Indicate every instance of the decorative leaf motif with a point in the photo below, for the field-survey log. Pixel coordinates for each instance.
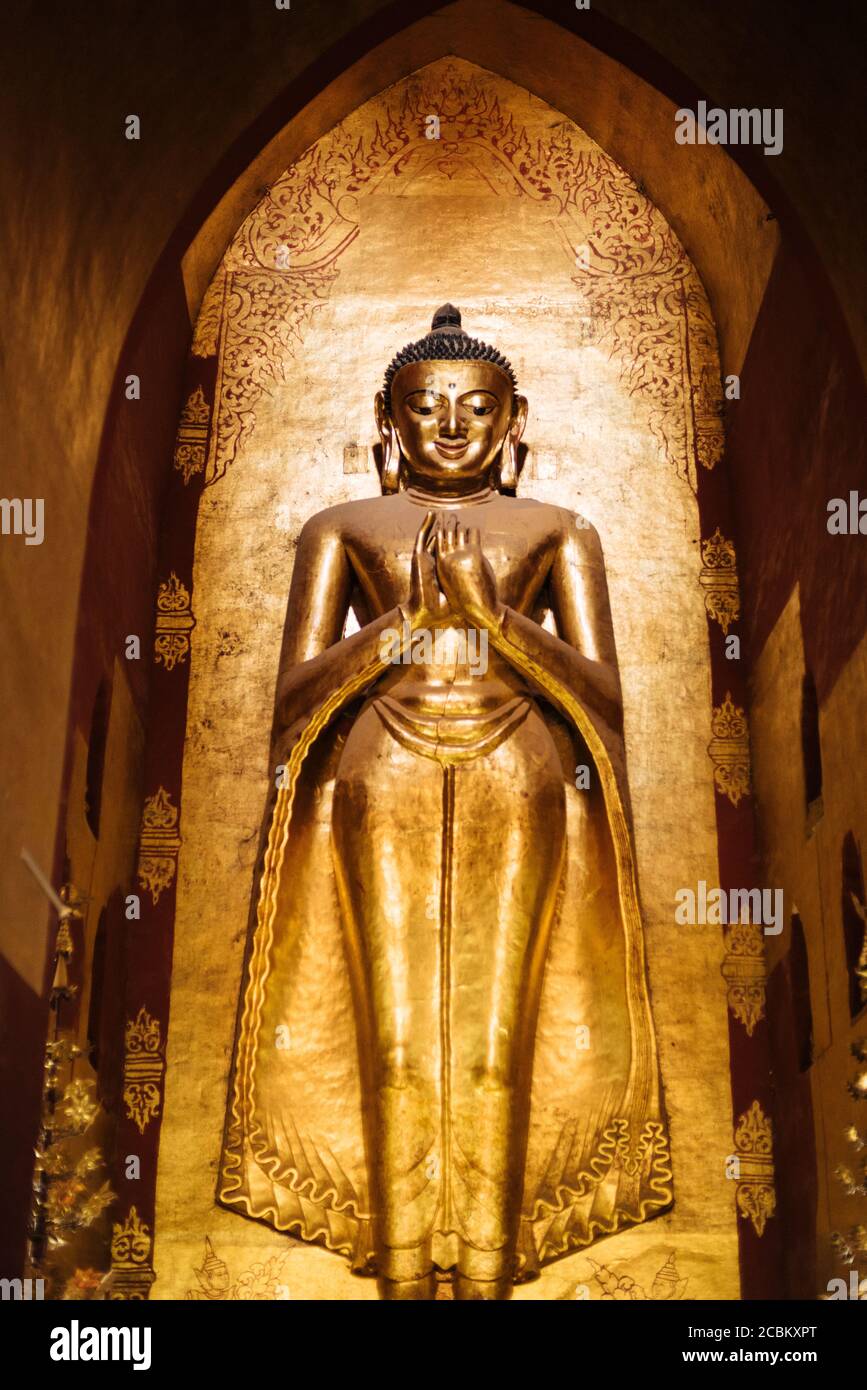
(647, 308)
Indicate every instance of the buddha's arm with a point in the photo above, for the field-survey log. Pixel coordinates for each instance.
(315, 663)
(582, 659)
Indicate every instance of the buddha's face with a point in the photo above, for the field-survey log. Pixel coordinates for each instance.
(451, 419)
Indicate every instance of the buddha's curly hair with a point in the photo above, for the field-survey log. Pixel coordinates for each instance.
(448, 342)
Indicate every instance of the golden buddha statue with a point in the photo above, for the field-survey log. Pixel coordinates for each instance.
(445, 1062)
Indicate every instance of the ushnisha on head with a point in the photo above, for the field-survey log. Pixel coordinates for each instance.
(449, 416)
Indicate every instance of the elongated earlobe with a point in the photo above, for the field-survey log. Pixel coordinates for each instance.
(509, 455)
(389, 477)
(509, 464)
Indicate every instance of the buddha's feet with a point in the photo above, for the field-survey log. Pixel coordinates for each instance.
(424, 1288)
(483, 1274)
(407, 1273)
(494, 1289)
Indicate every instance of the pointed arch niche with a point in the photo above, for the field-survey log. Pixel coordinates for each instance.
(555, 255)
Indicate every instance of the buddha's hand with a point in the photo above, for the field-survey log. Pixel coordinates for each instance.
(466, 577)
(427, 604)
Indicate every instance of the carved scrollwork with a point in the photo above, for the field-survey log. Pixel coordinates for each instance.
(142, 1069)
(745, 973)
(754, 1150)
(729, 751)
(159, 843)
(719, 579)
(644, 304)
(174, 623)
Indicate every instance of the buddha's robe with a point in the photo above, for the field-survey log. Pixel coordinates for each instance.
(447, 936)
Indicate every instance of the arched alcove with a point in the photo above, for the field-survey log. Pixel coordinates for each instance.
(96, 756)
(852, 907)
(554, 253)
(802, 1010)
(811, 746)
(97, 987)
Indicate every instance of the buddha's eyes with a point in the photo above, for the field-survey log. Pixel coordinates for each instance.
(477, 403)
(480, 403)
(424, 404)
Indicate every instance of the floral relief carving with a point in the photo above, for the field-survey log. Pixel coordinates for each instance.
(729, 751)
(644, 303)
(719, 579)
(754, 1153)
(159, 843)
